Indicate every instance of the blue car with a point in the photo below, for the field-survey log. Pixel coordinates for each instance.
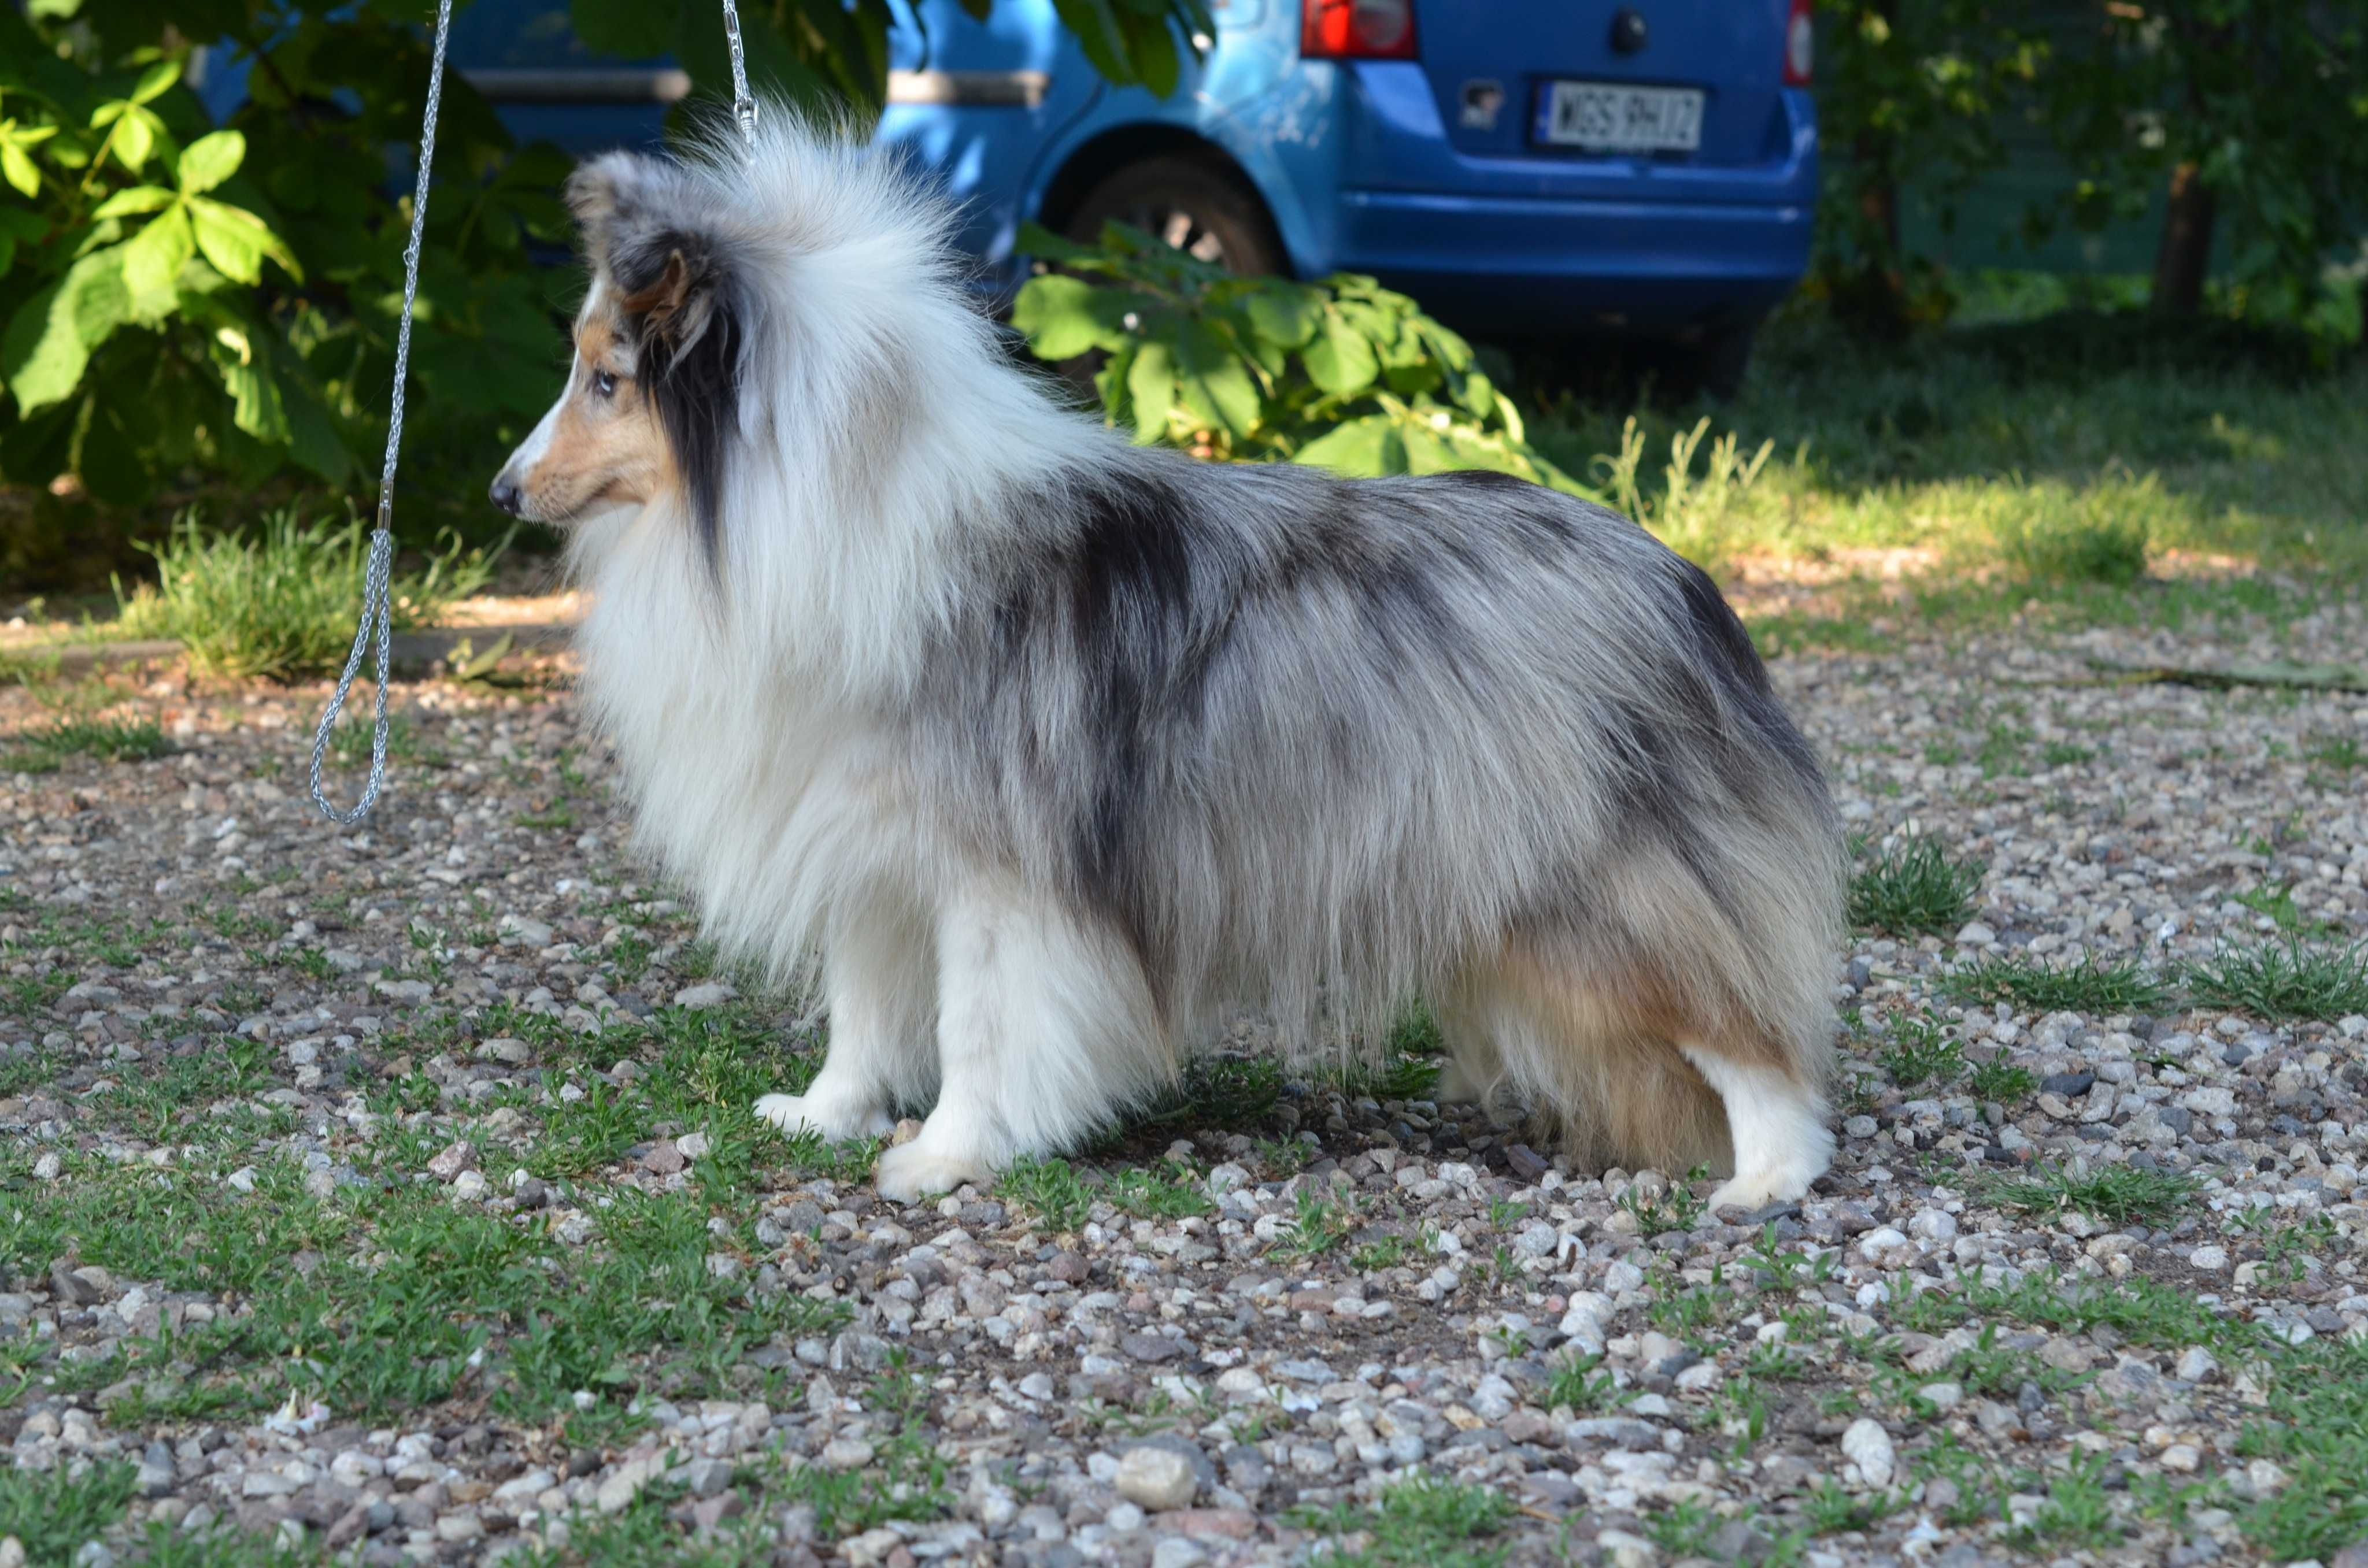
(1530, 171)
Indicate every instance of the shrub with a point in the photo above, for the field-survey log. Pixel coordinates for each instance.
(2102, 535)
(281, 606)
(1342, 374)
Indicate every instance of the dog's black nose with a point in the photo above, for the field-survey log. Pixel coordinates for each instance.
(505, 496)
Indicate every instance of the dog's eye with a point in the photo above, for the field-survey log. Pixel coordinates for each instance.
(604, 383)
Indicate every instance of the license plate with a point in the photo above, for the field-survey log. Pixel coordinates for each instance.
(1610, 116)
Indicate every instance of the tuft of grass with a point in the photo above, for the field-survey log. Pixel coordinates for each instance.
(2100, 537)
(1172, 1191)
(282, 603)
(1921, 1052)
(1423, 1521)
(2118, 1193)
(2077, 1513)
(2089, 986)
(2284, 980)
(1317, 1229)
(1914, 890)
(1051, 1188)
(45, 747)
(2316, 1428)
(1578, 1384)
(51, 1513)
(2007, 1085)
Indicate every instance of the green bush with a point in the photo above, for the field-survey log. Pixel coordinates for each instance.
(183, 304)
(281, 605)
(1343, 374)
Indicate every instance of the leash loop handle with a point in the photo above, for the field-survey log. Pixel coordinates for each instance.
(377, 578)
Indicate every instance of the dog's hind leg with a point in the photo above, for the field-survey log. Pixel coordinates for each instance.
(1045, 1027)
(879, 978)
(1474, 1073)
(1641, 1072)
(1777, 1122)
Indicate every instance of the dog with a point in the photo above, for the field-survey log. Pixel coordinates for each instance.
(1061, 752)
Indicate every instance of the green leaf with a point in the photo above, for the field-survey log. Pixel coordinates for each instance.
(1341, 360)
(49, 340)
(134, 200)
(18, 169)
(1286, 314)
(1360, 449)
(156, 81)
(1042, 243)
(153, 260)
(1154, 51)
(1216, 384)
(135, 138)
(236, 241)
(209, 160)
(1064, 317)
(254, 394)
(1151, 385)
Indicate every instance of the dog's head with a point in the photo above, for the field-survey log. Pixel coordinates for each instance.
(652, 390)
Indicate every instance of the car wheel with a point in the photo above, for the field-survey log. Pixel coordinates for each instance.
(1202, 211)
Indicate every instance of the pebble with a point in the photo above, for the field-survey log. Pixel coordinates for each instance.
(1868, 1446)
(1156, 1479)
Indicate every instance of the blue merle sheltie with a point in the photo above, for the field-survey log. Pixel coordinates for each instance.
(1057, 754)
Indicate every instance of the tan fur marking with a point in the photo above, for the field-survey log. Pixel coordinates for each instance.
(601, 449)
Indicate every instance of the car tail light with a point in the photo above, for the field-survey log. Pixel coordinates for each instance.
(1356, 29)
(1800, 43)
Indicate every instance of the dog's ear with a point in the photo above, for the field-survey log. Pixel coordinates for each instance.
(603, 193)
(670, 291)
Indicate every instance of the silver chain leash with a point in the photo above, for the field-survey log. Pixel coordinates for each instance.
(378, 585)
(378, 589)
(743, 106)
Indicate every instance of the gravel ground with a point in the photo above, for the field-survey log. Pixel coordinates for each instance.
(393, 1193)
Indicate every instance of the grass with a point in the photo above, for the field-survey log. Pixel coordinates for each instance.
(2118, 1193)
(1422, 1521)
(1914, 889)
(1921, 1053)
(2052, 470)
(1579, 1385)
(44, 748)
(280, 603)
(51, 1513)
(2284, 980)
(2007, 1085)
(1049, 1188)
(2091, 986)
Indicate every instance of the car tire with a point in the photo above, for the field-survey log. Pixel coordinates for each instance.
(1202, 210)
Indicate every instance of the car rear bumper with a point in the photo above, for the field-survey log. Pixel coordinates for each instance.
(1518, 240)
(1527, 264)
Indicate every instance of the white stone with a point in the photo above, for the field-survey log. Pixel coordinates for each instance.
(1159, 1478)
(1868, 1446)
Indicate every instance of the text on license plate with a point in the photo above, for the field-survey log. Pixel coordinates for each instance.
(1613, 117)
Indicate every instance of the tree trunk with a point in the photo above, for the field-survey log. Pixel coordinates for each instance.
(2184, 261)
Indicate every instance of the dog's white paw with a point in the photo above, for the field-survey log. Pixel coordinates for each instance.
(1752, 1190)
(792, 1113)
(910, 1171)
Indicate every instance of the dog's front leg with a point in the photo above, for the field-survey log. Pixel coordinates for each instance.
(1045, 1027)
(880, 980)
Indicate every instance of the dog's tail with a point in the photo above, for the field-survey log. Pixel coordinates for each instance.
(1681, 999)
